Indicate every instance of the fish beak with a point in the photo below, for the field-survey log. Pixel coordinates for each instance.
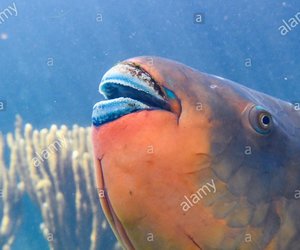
(128, 88)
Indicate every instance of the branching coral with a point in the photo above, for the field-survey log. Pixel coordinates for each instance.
(54, 166)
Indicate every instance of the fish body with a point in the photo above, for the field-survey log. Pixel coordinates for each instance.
(188, 160)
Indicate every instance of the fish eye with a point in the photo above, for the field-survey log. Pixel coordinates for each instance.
(261, 120)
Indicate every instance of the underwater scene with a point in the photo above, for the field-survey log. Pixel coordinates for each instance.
(140, 125)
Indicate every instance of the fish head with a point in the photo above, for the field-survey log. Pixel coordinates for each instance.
(164, 132)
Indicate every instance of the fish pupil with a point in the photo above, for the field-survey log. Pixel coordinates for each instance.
(265, 120)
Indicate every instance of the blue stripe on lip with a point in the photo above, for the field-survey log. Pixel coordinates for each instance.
(110, 110)
(128, 81)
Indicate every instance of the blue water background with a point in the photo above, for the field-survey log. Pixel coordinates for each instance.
(83, 48)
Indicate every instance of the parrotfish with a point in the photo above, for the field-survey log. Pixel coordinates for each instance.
(187, 160)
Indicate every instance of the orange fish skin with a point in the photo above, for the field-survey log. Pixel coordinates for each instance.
(148, 161)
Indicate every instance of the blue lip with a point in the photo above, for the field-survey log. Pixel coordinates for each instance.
(127, 89)
(110, 110)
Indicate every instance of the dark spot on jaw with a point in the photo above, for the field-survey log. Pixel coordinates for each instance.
(132, 105)
(130, 192)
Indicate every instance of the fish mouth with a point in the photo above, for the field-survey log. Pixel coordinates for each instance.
(128, 88)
